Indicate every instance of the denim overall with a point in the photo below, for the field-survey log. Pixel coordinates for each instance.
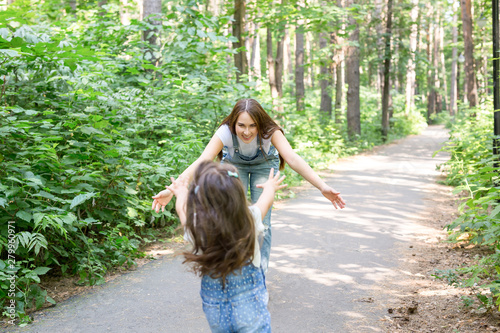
(255, 170)
(241, 306)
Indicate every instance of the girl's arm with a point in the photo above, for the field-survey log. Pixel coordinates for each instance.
(302, 168)
(211, 150)
(270, 187)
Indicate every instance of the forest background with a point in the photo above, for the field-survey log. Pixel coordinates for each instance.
(102, 101)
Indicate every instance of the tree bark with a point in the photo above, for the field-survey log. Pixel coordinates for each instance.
(255, 56)
(339, 71)
(352, 79)
(454, 56)
(411, 74)
(279, 65)
(287, 57)
(435, 65)
(431, 96)
(240, 58)
(470, 75)
(387, 67)
(326, 80)
(270, 66)
(443, 66)
(151, 11)
(299, 68)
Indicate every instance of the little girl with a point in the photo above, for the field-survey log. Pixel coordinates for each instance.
(225, 232)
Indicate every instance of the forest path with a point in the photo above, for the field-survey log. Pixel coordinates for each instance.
(330, 271)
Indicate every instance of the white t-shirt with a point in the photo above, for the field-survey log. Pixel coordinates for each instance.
(259, 229)
(246, 149)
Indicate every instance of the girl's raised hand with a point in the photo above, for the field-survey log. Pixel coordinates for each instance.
(274, 181)
(334, 197)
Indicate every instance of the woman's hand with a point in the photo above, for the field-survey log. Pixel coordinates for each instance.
(161, 200)
(334, 197)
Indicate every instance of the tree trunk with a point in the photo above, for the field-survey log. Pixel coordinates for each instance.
(72, 4)
(308, 55)
(470, 75)
(387, 67)
(125, 16)
(287, 57)
(443, 66)
(325, 81)
(255, 57)
(454, 56)
(380, 44)
(435, 69)
(410, 74)
(431, 96)
(352, 79)
(279, 65)
(151, 11)
(299, 68)
(270, 66)
(240, 58)
(339, 70)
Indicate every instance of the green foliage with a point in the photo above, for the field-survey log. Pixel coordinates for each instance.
(472, 170)
(90, 129)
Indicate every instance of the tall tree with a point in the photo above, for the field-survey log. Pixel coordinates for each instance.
(339, 72)
(435, 65)
(326, 78)
(151, 11)
(255, 54)
(240, 57)
(271, 65)
(352, 78)
(454, 56)
(470, 74)
(387, 67)
(299, 67)
(410, 74)
(443, 65)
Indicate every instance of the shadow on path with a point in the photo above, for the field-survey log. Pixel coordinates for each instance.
(330, 269)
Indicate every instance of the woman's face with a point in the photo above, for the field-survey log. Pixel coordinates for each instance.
(246, 127)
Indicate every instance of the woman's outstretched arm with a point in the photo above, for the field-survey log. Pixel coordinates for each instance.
(298, 164)
(211, 150)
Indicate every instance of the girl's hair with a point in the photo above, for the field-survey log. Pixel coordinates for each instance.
(265, 124)
(218, 221)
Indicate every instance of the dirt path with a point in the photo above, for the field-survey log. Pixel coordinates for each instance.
(330, 271)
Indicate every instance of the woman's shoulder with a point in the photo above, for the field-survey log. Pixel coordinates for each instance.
(224, 135)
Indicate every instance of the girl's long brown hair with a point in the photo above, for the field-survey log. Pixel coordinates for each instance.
(219, 221)
(265, 124)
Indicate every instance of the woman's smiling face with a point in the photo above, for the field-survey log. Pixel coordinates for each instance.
(246, 127)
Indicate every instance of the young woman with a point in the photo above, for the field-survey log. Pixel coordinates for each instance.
(250, 140)
(224, 233)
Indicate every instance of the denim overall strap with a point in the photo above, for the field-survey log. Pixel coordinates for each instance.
(236, 144)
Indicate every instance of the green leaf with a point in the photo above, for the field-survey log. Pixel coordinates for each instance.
(24, 215)
(132, 212)
(37, 217)
(79, 199)
(495, 211)
(40, 270)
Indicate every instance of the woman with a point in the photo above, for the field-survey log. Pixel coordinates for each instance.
(250, 140)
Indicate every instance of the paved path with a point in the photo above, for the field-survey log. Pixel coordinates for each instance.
(331, 270)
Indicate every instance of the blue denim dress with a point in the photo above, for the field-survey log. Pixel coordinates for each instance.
(241, 306)
(254, 170)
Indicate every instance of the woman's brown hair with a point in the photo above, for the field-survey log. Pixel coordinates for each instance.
(265, 124)
(218, 221)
